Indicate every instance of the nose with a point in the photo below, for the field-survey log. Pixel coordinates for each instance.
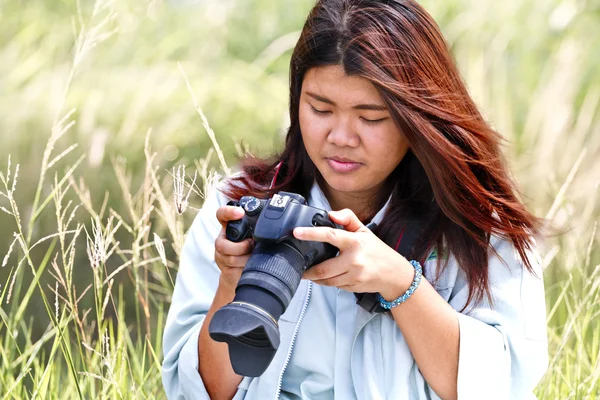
(343, 134)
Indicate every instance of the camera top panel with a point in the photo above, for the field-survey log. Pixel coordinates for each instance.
(280, 202)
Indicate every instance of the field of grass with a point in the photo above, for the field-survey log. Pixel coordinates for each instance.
(106, 150)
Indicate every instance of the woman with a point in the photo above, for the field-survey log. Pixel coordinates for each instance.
(382, 130)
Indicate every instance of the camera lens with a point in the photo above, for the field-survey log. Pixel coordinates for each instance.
(249, 323)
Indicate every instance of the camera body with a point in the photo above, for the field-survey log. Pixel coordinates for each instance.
(272, 221)
(249, 324)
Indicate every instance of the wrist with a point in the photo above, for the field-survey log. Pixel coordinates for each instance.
(398, 282)
(388, 305)
(225, 288)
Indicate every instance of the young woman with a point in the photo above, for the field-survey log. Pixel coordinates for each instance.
(382, 130)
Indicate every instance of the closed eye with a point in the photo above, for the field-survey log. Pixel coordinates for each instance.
(373, 121)
(365, 120)
(320, 112)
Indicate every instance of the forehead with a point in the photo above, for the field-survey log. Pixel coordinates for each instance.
(332, 82)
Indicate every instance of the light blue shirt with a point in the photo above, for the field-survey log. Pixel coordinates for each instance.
(502, 351)
(320, 361)
(311, 370)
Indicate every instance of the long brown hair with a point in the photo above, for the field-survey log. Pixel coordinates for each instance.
(453, 177)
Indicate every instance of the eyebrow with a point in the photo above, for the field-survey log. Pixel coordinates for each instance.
(373, 107)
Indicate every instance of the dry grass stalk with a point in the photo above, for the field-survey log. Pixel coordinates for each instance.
(179, 198)
(209, 131)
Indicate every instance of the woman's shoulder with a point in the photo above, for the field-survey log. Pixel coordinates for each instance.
(500, 249)
(504, 260)
(503, 251)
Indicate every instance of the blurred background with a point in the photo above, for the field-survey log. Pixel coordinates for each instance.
(102, 108)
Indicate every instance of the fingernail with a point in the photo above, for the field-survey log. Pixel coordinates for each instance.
(238, 212)
(298, 231)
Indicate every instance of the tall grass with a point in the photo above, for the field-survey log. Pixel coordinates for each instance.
(92, 218)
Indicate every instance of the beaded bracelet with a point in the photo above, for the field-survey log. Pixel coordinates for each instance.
(413, 286)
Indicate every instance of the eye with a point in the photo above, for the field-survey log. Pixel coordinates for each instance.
(373, 121)
(319, 112)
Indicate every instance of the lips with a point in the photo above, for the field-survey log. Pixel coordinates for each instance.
(342, 165)
(343, 160)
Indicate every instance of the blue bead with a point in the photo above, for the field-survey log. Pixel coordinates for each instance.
(413, 286)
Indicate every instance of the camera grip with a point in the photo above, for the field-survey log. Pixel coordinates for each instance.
(321, 220)
(237, 230)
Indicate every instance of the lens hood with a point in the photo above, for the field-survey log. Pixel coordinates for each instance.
(251, 334)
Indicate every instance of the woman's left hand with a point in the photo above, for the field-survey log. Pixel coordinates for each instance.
(365, 262)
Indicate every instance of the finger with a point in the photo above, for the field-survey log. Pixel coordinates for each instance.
(326, 270)
(337, 281)
(337, 237)
(237, 262)
(349, 288)
(229, 248)
(347, 219)
(229, 213)
(234, 273)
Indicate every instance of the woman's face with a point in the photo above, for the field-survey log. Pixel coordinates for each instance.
(348, 132)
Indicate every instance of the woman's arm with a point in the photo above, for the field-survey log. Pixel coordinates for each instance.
(366, 264)
(430, 326)
(195, 288)
(497, 351)
(198, 293)
(214, 366)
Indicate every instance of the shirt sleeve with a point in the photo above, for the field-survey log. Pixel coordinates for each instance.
(503, 348)
(195, 288)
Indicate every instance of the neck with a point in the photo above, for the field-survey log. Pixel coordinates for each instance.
(364, 204)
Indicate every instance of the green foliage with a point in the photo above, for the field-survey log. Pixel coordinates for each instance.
(83, 84)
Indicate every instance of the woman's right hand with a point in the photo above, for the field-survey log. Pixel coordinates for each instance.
(231, 257)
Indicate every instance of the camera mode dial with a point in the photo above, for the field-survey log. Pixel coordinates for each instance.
(251, 205)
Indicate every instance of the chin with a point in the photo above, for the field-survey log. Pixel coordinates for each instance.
(344, 183)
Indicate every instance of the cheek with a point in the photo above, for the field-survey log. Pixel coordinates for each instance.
(392, 143)
(311, 126)
(304, 123)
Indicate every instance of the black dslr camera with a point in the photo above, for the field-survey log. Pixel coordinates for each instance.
(249, 324)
